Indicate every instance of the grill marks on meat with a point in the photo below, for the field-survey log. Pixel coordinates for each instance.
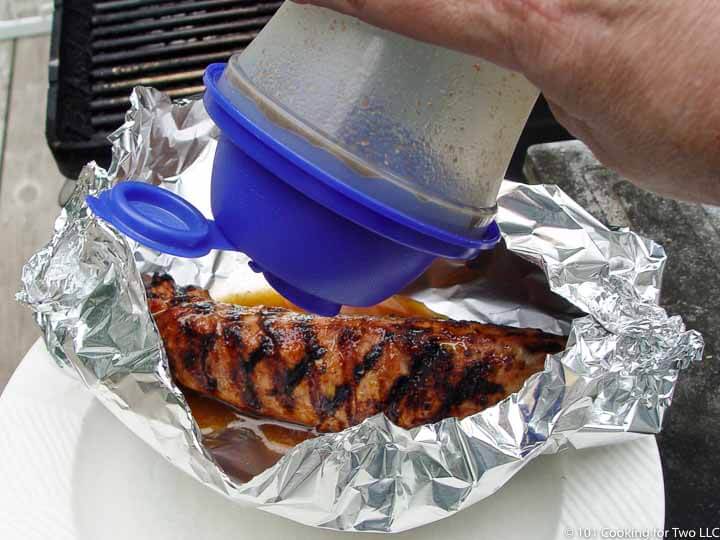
(334, 372)
(162, 293)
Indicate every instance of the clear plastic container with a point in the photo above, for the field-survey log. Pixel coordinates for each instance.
(423, 129)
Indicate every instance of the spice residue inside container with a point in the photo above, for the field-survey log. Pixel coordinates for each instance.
(244, 446)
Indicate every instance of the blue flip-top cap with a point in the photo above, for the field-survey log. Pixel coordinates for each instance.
(158, 219)
(317, 241)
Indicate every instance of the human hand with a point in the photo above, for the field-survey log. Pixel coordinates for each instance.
(637, 80)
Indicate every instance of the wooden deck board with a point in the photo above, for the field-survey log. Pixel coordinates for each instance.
(6, 50)
(15, 9)
(29, 184)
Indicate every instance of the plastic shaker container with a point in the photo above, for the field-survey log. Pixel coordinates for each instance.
(349, 159)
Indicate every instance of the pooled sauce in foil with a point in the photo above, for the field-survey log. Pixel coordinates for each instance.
(395, 306)
(245, 446)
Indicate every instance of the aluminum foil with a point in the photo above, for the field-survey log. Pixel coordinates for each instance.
(561, 271)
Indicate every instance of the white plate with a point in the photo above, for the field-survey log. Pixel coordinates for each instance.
(70, 470)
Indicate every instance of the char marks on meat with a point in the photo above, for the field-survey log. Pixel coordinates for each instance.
(333, 372)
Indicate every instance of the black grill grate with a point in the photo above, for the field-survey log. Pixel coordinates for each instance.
(101, 50)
